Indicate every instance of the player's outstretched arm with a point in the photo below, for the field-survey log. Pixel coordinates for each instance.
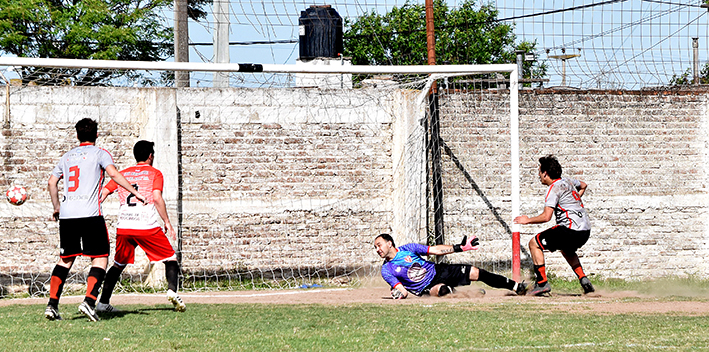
(541, 218)
(53, 187)
(466, 244)
(121, 181)
(162, 210)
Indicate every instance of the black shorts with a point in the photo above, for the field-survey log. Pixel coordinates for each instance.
(562, 238)
(83, 236)
(452, 275)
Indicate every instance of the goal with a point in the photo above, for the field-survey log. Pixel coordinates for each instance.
(283, 179)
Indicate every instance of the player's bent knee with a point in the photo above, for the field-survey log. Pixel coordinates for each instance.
(474, 274)
(533, 243)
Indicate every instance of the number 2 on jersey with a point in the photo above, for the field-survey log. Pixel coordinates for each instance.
(131, 196)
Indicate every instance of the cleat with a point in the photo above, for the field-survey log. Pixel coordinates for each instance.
(85, 309)
(444, 290)
(540, 290)
(176, 301)
(51, 313)
(586, 284)
(520, 288)
(106, 308)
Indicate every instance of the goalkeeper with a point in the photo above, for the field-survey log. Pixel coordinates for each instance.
(406, 271)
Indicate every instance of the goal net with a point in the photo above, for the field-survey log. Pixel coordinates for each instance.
(280, 180)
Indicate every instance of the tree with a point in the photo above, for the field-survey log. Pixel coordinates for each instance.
(87, 29)
(465, 35)
(687, 78)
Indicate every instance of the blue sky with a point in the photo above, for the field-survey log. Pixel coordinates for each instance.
(629, 44)
(622, 43)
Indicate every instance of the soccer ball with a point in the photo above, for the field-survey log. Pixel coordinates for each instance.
(16, 195)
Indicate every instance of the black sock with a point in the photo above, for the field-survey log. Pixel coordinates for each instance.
(172, 270)
(112, 277)
(56, 284)
(93, 284)
(540, 271)
(495, 280)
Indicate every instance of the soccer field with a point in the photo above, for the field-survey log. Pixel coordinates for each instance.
(364, 319)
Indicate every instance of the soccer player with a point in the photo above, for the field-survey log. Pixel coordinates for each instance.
(82, 229)
(139, 225)
(406, 271)
(572, 230)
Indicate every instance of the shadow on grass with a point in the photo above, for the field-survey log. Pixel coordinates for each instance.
(123, 313)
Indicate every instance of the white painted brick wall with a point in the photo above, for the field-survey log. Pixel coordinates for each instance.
(328, 162)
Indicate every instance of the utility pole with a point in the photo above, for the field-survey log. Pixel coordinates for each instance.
(695, 46)
(182, 51)
(221, 41)
(430, 33)
(563, 57)
(436, 167)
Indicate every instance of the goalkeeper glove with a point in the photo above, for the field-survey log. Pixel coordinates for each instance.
(466, 244)
(396, 294)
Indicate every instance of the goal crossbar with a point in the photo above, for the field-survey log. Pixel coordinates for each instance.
(249, 67)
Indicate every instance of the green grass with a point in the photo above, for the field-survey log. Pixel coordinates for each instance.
(373, 327)
(662, 287)
(512, 325)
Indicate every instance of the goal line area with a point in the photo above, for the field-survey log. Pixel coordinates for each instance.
(282, 178)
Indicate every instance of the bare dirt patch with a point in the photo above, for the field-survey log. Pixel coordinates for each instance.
(614, 302)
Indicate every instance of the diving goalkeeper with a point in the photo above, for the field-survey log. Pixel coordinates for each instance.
(406, 271)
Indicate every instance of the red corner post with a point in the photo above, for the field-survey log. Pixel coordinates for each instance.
(516, 262)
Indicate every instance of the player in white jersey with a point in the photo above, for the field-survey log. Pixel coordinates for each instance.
(139, 225)
(572, 230)
(82, 229)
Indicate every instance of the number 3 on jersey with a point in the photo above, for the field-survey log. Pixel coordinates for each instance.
(74, 177)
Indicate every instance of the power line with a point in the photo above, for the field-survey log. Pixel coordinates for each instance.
(562, 10)
(255, 42)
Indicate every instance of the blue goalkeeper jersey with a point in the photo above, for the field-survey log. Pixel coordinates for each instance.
(409, 269)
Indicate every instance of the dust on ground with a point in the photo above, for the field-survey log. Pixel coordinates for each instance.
(600, 302)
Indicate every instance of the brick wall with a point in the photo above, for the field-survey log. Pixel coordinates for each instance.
(306, 175)
(301, 180)
(293, 183)
(642, 153)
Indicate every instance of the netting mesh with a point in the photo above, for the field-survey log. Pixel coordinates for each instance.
(476, 172)
(600, 45)
(267, 188)
(608, 44)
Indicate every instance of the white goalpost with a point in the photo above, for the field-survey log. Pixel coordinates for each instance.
(271, 185)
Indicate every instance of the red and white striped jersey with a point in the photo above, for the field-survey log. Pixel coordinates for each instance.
(135, 217)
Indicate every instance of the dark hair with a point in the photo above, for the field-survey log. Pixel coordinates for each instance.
(86, 130)
(386, 237)
(551, 166)
(142, 150)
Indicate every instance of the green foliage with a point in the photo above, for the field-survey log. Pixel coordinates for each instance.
(687, 78)
(469, 34)
(195, 9)
(86, 29)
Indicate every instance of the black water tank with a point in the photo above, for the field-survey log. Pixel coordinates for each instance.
(320, 32)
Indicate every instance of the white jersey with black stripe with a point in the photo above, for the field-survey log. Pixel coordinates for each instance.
(82, 169)
(563, 197)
